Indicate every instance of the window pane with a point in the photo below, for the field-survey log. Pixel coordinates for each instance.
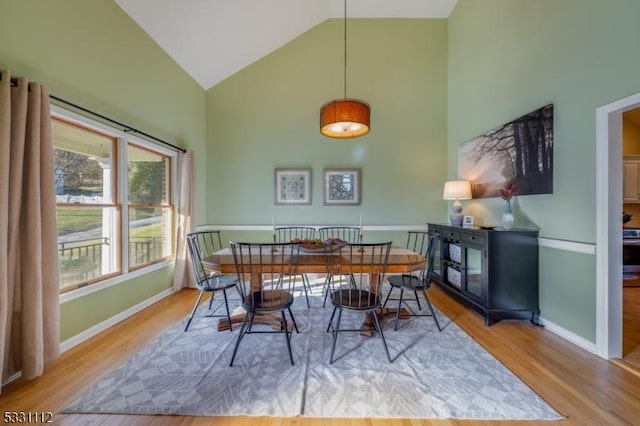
(83, 160)
(150, 231)
(148, 177)
(87, 244)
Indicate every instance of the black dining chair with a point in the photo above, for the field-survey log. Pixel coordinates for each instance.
(420, 242)
(201, 245)
(350, 234)
(363, 267)
(266, 280)
(286, 234)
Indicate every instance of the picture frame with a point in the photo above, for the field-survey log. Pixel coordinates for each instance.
(292, 186)
(468, 221)
(342, 186)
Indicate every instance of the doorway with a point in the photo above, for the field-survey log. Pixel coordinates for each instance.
(631, 222)
(609, 202)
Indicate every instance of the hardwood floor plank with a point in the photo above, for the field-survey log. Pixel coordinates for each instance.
(581, 386)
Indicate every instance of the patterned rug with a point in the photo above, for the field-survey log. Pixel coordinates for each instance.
(434, 374)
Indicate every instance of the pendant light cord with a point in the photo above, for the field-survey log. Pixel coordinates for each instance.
(345, 49)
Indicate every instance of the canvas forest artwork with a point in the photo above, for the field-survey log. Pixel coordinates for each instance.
(518, 153)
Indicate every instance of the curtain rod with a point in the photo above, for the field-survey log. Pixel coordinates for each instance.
(126, 128)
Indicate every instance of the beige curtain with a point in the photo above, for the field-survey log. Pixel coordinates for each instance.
(183, 277)
(29, 279)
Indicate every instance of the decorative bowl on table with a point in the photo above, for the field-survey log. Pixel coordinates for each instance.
(319, 246)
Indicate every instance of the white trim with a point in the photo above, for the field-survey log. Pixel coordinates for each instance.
(92, 288)
(567, 245)
(270, 227)
(98, 328)
(574, 246)
(11, 378)
(585, 344)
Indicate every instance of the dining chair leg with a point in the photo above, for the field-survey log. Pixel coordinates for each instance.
(331, 319)
(293, 319)
(305, 285)
(226, 305)
(387, 298)
(433, 312)
(195, 308)
(240, 336)
(287, 335)
(376, 323)
(326, 288)
(335, 335)
(415, 293)
(399, 308)
(251, 322)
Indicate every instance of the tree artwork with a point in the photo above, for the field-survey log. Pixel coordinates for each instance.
(519, 153)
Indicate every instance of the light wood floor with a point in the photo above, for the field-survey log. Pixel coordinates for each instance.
(586, 389)
(631, 327)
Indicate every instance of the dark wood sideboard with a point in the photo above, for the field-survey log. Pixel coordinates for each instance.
(494, 271)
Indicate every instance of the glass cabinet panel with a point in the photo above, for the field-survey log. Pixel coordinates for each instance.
(473, 271)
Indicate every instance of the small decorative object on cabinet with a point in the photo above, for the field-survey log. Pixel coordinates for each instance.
(507, 216)
(494, 271)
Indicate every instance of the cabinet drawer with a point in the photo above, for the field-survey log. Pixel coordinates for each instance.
(435, 230)
(451, 234)
(477, 239)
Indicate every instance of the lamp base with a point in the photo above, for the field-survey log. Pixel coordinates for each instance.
(456, 219)
(456, 213)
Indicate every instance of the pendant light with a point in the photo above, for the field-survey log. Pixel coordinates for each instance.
(345, 118)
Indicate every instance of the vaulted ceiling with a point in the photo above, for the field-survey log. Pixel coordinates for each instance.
(213, 39)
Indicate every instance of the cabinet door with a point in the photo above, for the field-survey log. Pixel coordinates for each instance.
(631, 174)
(474, 272)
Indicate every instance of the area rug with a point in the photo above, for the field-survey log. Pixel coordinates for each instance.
(433, 375)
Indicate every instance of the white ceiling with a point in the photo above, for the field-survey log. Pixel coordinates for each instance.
(213, 39)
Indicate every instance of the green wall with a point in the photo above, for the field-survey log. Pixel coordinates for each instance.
(509, 57)
(79, 314)
(267, 116)
(91, 53)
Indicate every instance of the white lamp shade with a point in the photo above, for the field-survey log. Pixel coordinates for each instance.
(457, 190)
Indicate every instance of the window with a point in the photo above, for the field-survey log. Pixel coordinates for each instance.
(150, 217)
(114, 197)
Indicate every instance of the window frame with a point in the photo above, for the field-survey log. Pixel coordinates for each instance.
(123, 139)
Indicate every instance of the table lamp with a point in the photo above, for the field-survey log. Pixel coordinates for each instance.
(456, 190)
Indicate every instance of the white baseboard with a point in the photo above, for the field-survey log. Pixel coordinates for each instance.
(98, 328)
(570, 336)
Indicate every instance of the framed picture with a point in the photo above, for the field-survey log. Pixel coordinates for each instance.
(342, 186)
(293, 186)
(519, 152)
(468, 221)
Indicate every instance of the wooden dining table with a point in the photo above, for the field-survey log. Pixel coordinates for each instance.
(401, 260)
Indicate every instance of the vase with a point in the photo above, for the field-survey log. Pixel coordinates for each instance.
(507, 216)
